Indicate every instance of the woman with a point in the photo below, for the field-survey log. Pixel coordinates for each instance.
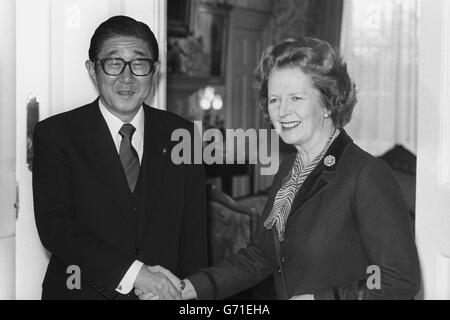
(335, 225)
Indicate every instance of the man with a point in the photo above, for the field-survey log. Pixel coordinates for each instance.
(109, 202)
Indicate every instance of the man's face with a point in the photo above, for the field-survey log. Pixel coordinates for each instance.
(122, 95)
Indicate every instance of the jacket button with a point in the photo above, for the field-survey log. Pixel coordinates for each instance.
(279, 270)
(134, 210)
(137, 251)
(283, 259)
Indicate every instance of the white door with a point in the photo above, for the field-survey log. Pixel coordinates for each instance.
(52, 42)
(433, 166)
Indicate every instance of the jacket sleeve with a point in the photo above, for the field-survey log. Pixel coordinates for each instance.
(193, 246)
(244, 269)
(68, 239)
(386, 234)
(232, 275)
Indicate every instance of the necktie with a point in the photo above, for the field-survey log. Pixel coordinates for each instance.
(128, 155)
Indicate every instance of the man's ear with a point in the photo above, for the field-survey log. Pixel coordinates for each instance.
(155, 78)
(157, 68)
(156, 75)
(90, 67)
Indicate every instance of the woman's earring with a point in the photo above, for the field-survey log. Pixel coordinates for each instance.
(326, 115)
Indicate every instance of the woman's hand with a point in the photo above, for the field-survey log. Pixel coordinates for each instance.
(151, 280)
(187, 293)
(303, 297)
(146, 296)
(172, 280)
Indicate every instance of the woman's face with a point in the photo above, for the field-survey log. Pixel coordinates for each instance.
(295, 108)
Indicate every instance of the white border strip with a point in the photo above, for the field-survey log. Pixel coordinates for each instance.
(442, 277)
(444, 151)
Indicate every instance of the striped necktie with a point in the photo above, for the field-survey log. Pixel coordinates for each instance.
(128, 155)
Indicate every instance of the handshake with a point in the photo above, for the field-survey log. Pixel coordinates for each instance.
(158, 283)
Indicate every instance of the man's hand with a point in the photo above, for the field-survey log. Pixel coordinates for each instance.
(156, 283)
(187, 294)
(174, 279)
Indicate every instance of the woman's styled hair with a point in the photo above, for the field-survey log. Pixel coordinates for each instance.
(325, 68)
(122, 26)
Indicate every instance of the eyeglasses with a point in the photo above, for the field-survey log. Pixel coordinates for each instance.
(116, 66)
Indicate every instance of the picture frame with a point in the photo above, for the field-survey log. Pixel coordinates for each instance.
(203, 52)
(211, 25)
(181, 17)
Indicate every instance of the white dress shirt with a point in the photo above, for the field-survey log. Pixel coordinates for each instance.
(137, 141)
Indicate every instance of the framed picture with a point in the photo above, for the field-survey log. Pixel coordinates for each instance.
(181, 17)
(211, 27)
(202, 53)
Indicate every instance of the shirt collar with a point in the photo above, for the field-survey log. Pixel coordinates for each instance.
(114, 123)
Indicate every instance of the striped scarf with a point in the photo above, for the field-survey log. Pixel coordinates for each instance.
(286, 194)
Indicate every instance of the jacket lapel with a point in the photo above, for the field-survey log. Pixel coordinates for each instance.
(322, 177)
(155, 158)
(101, 149)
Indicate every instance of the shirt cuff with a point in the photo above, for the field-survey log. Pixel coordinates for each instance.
(127, 283)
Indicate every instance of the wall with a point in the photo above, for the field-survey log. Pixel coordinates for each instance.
(433, 149)
(316, 18)
(7, 149)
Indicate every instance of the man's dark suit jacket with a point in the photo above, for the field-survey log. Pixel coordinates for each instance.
(86, 215)
(345, 218)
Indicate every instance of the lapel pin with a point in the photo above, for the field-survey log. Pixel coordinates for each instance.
(329, 161)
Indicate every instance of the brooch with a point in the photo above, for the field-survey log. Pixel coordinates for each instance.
(329, 161)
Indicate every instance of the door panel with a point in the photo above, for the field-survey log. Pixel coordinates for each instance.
(245, 48)
(433, 164)
(32, 78)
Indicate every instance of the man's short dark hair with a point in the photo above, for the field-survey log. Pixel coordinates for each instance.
(119, 26)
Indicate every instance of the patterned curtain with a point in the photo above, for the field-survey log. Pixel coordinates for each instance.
(380, 44)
